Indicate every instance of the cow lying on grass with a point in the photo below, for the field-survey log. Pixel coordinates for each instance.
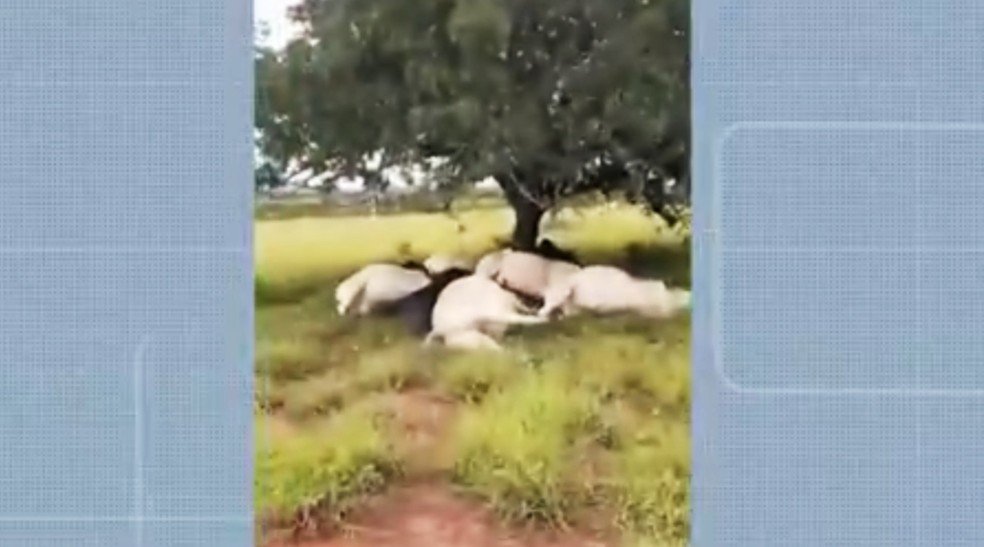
(547, 249)
(607, 290)
(473, 312)
(377, 285)
(527, 273)
(415, 309)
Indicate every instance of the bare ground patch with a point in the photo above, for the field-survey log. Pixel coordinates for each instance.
(431, 515)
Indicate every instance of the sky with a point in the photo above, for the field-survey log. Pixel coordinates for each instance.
(274, 14)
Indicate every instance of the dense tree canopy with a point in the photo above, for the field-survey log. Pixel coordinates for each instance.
(551, 97)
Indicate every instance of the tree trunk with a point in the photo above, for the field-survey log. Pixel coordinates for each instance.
(527, 227)
(528, 212)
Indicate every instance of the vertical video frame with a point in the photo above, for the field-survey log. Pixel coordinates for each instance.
(472, 266)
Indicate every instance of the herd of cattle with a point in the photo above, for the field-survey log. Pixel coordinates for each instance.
(447, 300)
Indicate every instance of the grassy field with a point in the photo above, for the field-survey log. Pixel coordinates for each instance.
(583, 421)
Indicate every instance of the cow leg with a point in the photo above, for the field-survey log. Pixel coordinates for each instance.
(433, 338)
(520, 319)
(556, 299)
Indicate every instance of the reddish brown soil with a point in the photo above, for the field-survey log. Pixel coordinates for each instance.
(430, 515)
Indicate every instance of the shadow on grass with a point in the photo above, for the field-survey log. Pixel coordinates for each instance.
(670, 263)
(552, 335)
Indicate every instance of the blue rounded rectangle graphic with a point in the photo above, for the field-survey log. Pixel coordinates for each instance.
(839, 261)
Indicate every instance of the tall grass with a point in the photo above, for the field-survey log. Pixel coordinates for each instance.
(650, 484)
(516, 448)
(471, 376)
(324, 469)
(288, 358)
(653, 373)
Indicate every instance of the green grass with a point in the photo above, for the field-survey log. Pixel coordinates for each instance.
(516, 448)
(323, 468)
(649, 487)
(582, 415)
(596, 391)
(297, 257)
(470, 377)
(392, 368)
(288, 358)
(651, 370)
(319, 395)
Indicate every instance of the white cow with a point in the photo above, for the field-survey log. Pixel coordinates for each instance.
(607, 290)
(473, 311)
(375, 285)
(530, 274)
(488, 265)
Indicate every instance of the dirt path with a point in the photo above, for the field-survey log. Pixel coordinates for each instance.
(422, 419)
(430, 515)
(424, 511)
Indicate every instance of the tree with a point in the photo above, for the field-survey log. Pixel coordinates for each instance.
(553, 98)
(266, 177)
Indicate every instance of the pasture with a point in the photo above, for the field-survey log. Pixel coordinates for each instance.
(580, 430)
